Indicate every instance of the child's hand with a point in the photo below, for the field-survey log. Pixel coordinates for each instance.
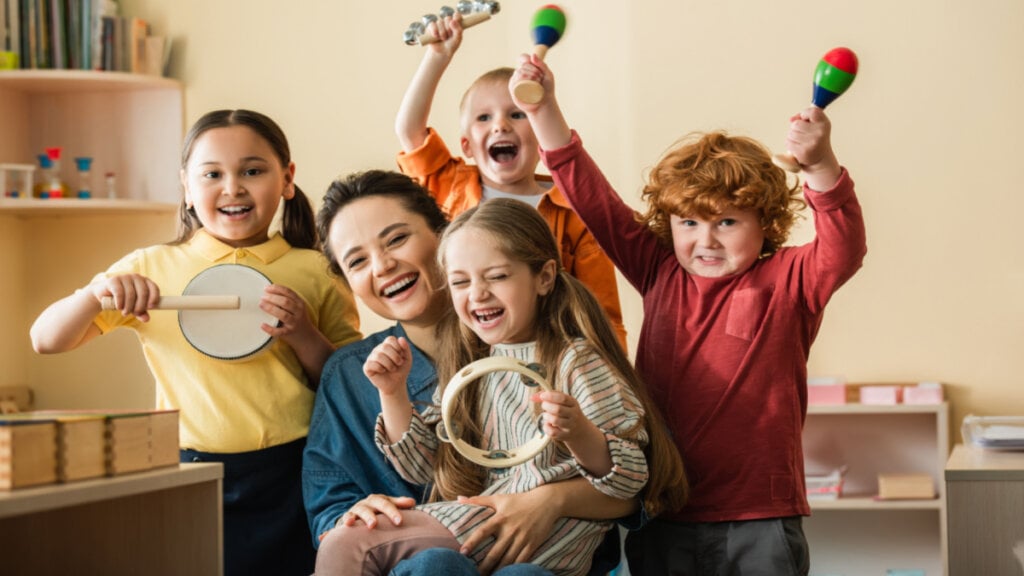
(133, 294)
(562, 416)
(532, 68)
(388, 365)
(290, 310)
(809, 141)
(448, 32)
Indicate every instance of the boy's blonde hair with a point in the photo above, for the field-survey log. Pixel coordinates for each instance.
(706, 174)
(568, 312)
(496, 76)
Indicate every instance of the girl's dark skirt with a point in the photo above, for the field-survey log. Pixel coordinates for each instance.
(265, 526)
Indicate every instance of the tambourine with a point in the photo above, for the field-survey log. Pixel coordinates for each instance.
(498, 458)
(228, 334)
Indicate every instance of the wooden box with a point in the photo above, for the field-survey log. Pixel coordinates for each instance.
(906, 487)
(28, 452)
(80, 447)
(131, 441)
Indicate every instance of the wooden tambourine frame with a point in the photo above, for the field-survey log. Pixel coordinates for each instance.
(498, 458)
(228, 334)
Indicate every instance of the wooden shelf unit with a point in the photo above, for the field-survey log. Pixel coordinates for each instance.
(169, 521)
(131, 125)
(858, 534)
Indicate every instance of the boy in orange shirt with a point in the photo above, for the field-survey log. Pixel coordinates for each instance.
(497, 136)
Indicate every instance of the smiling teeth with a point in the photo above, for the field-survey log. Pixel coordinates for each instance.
(235, 209)
(487, 315)
(399, 285)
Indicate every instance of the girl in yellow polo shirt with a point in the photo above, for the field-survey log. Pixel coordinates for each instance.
(253, 414)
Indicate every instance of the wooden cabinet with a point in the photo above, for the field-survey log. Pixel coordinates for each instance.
(858, 534)
(166, 521)
(985, 489)
(130, 125)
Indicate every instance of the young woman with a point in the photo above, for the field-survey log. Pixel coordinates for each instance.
(382, 232)
(513, 300)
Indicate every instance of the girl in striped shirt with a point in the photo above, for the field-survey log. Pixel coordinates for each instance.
(511, 298)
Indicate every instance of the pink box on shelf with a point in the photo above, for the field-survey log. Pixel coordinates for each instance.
(923, 393)
(826, 394)
(881, 394)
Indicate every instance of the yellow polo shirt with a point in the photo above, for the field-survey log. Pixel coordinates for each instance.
(234, 405)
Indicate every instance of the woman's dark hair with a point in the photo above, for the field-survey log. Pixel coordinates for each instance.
(297, 223)
(368, 184)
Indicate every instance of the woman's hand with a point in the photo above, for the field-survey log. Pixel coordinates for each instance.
(520, 525)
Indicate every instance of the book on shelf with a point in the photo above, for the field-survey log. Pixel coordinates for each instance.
(79, 34)
(28, 452)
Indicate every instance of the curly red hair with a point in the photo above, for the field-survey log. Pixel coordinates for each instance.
(706, 174)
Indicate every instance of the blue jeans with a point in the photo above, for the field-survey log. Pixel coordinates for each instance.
(452, 563)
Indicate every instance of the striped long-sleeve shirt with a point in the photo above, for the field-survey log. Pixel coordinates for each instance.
(508, 419)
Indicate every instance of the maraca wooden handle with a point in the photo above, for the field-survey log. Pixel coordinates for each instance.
(531, 91)
(548, 26)
(787, 162)
(467, 22)
(187, 302)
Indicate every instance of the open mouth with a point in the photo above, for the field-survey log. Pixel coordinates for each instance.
(399, 286)
(503, 152)
(488, 315)
(234, 210)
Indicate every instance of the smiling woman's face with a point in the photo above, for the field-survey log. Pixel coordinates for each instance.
(389, 257)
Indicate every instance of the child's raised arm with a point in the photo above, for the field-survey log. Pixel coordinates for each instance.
(546, 117)
(388, 367)
(67, 323)
(414, 112)
(809, 140)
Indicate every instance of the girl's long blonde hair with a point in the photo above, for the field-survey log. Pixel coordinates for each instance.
(570, 311)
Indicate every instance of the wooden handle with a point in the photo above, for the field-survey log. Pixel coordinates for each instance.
(188, 302)
(530, 91)
(467, 22)
(787, 162)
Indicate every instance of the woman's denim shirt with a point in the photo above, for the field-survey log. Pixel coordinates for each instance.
(341, 464)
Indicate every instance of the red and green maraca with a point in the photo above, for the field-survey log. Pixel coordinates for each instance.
(548, 27)
(834, 74)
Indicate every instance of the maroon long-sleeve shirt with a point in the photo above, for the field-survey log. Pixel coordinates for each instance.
(726, 358)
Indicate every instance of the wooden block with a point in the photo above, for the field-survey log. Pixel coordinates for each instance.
(15, 399)
(28, 452)
(127, 438)
(905, 487)
(80, 448)
(163, 438)
(132, 441)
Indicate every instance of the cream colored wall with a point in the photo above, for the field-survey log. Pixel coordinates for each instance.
(931, 132)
